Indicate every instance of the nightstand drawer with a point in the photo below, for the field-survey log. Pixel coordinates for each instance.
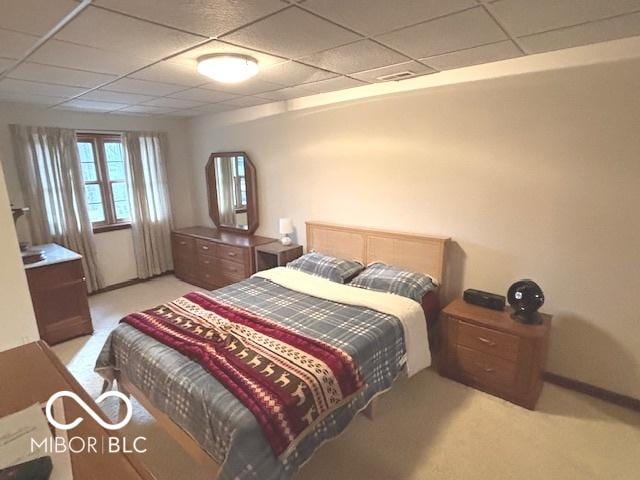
(488, 341)
(486, 369)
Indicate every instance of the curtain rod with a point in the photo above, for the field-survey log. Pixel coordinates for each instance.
(101, 130)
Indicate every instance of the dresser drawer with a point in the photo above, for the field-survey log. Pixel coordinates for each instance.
(231, 271)
(237, 254)
(488, 341)
(55, 275)
(486, 369)
(207, 271)
(216, 272)
(205, 247)
(182, 246)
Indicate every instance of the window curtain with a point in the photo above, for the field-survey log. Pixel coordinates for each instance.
(51, 180)
(150, 209)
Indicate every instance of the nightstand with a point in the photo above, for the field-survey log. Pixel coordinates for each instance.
(275, 254)
(488, 350)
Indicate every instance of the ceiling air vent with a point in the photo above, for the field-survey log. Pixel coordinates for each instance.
(396, 76)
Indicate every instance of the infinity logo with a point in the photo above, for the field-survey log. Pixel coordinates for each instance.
(86, 408)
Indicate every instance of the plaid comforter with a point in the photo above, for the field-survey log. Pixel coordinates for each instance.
(217, 420)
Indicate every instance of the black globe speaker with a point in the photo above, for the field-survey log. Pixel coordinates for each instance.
(526, 298)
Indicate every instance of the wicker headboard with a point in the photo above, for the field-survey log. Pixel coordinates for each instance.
(416, 252)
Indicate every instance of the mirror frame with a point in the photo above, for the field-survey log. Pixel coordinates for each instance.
(252, 193)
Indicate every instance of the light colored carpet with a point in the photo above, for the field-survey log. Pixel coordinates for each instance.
(426, 427)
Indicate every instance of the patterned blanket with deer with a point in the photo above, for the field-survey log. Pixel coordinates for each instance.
(288, 381)
(214, 417)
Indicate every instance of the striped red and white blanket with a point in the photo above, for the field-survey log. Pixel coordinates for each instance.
(288, 381)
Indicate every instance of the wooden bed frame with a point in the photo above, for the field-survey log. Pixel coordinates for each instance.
(416, 252)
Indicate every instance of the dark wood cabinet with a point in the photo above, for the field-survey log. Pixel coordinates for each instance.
(210, 258)
(490, 351)
(59, 295)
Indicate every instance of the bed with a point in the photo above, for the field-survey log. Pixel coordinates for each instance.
(215, 426)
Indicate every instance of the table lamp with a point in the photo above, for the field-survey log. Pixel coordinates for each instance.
(286, 227)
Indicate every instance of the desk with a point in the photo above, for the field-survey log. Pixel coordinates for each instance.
(31, 374)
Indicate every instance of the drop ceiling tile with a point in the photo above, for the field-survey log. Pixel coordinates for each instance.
(461, 30)
(355, 57)
(203, 95)
(70, 55)
(115, 32)
(205, 17)
(373, 75)
(184, 113)
(250, 87)
(287, 93)
(247, 101)
(338, 83)
(17, 97)
(292, 33)
(101, 95)
(59, 75)
(168, 72)
(80, 104)
(36, 88)
(373, 17)
(36, 17)
(173, 103)
(6, 62)
(292, 73)
(15, 44)
(216, 108)
(190, 57)
(145, 109)
(474, 56)
(131, 114)
(524, 17)
(600, 31)
(132, 85)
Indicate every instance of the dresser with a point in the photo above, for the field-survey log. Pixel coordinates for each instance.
(59, 294)
(210, 258)
(490, 351)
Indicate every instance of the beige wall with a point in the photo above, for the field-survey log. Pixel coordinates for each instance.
(532, 175)
(114, 249)
(18, 324)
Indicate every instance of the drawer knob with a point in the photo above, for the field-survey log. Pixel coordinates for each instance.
(231, 254)
(487, 342)
(207, 262)
(204, 247)
(182, 242)
(486, 369)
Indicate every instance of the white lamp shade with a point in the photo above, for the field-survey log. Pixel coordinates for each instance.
(286, 226)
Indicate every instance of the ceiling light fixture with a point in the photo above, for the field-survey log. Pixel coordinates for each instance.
(228, 67)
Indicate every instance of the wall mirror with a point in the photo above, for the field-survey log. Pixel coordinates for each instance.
(231, 187)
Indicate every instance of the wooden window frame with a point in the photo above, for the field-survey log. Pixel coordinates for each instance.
(97, 141)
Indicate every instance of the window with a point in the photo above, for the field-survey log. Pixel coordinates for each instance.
(105, 181)
(239, 184)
